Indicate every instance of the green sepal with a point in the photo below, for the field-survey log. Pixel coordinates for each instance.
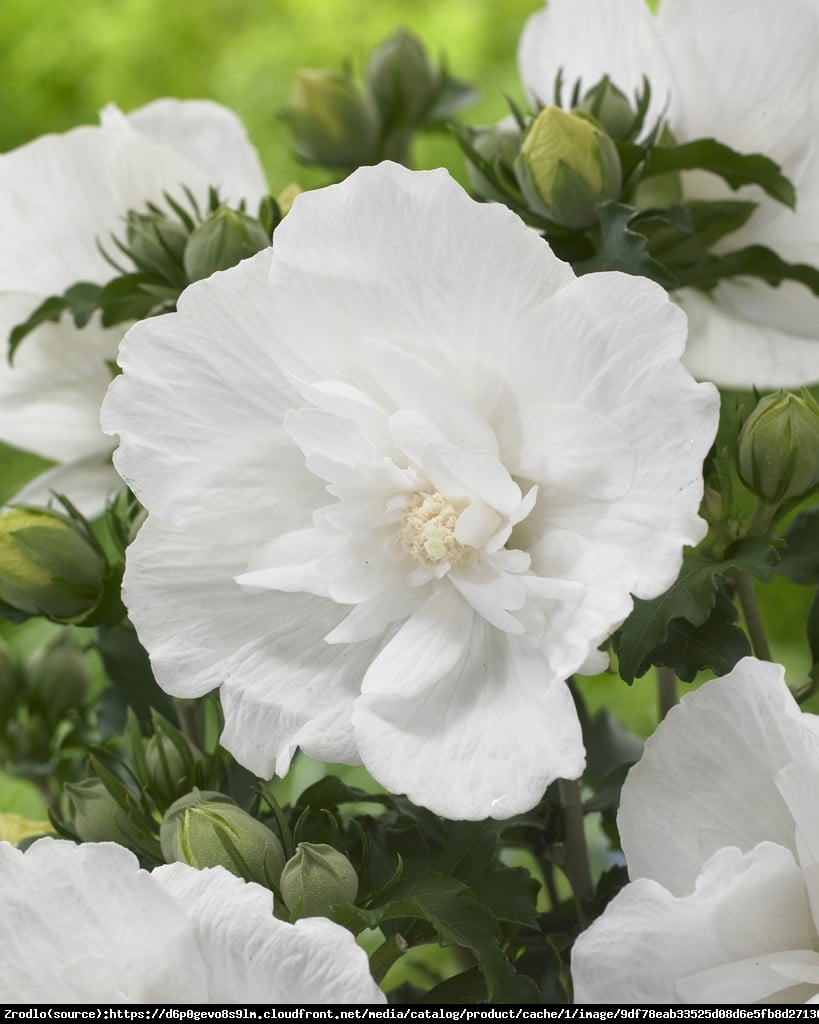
(80, 300)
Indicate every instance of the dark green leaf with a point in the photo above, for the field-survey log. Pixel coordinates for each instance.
(717, 644)
(799, 559)
(49, 310)
(737, 169)
(124, 298)
(691, 597)
(682, 234)
(753, 261)
(813, 629)
(457, 918)
(133, 686)
(621, 248)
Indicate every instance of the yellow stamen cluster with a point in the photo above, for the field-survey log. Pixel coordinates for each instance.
(428, 529)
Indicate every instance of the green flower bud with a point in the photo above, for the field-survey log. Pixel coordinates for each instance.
(333, 121)
(566, 166)
(609, 107)
(500, 144)
(315, 878)
(779, 447)
(403, 81)
(226, 238)
(207, 829)
(157, 242)
(96, 817)
(170, 774)
(59, 677)
(48, 566)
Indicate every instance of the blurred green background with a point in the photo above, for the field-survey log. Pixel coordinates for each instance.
(61, 62)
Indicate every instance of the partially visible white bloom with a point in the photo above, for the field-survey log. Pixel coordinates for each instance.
(59, 195)
(405, 472)
(719, 827)
(84, 924)
(745, 73)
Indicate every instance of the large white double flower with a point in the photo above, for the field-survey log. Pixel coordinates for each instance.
(404, 473)
(84, 924)
(719, 826)
(59, 195)
(743, 72)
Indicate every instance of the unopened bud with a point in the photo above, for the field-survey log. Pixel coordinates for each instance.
(402, 78)
(333, 121)
(226, 238)
(779, 447)
(48, 566)
(170, 773)
(59, 677)
(206, 829)
(157, 242)
(567, 165)
(497, 145)
(610, 108)
(96, 817)
(316, 878)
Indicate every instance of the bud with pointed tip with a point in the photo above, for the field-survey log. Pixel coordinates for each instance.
(222, 240)
(48, 566)
(96, 817)
(315, 878)
(333, 120)
(566, 166)
(59, 677)
(779, 447)
(207, 829)
(156, 241)
(402, 79)
(610, 108)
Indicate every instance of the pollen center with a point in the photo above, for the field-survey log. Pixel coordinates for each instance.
(428, 529)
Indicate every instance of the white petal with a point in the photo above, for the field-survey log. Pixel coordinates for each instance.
(212, 138)
(252, 957)
(77, 916)
(592, 38)
(492, 593)
(291, 563)
(283, 686)
(442, 295)
(763, 84)
(735, 351)
(88, 483)
(706, 778)
(200, 421)
(50, 395)
(650, 946)
(443, 735)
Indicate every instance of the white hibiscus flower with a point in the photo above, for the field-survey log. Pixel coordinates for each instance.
(743, 72)
(405, 472)
(85, 924)
(58, 196)
(719, 827)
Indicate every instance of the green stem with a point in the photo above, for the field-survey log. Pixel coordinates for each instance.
(578, 868)
(744, 587)
(187, 713)
(667, 695)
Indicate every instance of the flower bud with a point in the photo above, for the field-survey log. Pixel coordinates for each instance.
(609, 107)
(315, 878)
(207, 829)
(48, 566)
(779, 447)
(96, 817)
(221, 241)
(567, 165)
(170, 774)
(333, 121)
(157, 242)
(59, 677)
(403, 81)
(499, 144)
